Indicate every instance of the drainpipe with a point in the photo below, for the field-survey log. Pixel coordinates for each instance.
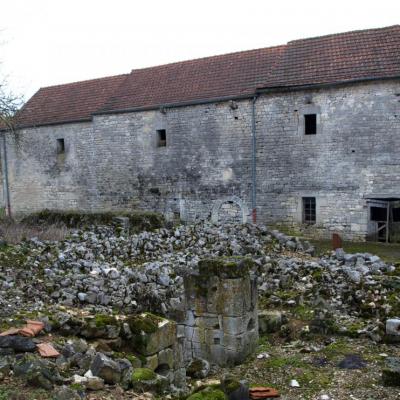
(6, 191)
(253, 160)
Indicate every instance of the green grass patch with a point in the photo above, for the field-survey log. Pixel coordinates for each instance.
(389, 252)
(303, 312)
(337, 349)
(284, 362)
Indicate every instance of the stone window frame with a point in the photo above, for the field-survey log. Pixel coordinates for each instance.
(319, 202)
(161, 144)
(60, 143)
(309, 109)
(309, 217)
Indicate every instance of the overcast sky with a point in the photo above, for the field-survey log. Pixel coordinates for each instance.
(47, 42)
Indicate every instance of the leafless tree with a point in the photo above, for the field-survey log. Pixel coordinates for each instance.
(9, 101)
(9, 104)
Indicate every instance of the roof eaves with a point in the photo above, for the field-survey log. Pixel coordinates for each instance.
(61, 122)
(176, 105)
(284, 88)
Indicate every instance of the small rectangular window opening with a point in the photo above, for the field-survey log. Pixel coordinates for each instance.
(310, 124)
(378, 214)
(162, 138)
(60, 146)
(309, 210)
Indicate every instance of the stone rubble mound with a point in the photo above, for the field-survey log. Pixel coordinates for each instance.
(105, 269)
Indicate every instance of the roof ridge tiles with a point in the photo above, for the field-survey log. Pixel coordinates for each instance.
(369, 30)
(330, 59)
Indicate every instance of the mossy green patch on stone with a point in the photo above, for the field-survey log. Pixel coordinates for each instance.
(208, 394)
(225, 267)
(102, 320)
(230, 385)
(143, 374)
(147, 323)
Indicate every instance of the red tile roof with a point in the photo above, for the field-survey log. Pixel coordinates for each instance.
(228, 75)
(70, 102)
(358, 55)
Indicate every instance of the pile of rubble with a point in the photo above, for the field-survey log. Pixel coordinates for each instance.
(88, 285)
(144, 272)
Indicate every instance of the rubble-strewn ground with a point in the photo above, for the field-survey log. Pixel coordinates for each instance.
(329, 307)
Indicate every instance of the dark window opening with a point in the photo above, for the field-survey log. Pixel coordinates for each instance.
(162, 138)
(60, 146)
(309, 210)
(310, 124)
(396, 214)
(378, 214)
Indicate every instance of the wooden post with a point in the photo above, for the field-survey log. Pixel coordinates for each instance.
(387, 221)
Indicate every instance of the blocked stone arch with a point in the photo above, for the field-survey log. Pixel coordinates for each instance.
(238, 216)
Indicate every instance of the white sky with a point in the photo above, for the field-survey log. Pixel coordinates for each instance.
(47, 42)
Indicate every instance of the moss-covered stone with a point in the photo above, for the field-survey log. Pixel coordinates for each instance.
(146, 322)
(146, 380)
(143, 374)
(225, 267)
(391, 372)
(209, 394)
(151, 333)
(102, 320)
(230, 384)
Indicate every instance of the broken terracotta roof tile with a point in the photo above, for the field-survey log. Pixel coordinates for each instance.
(47, 350)
(260, 393)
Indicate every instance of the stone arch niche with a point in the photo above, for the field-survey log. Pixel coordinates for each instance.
(229, 209)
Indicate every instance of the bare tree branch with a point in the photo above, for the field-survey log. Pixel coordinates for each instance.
(10, 103)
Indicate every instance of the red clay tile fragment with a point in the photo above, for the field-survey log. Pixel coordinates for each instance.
(11, 331)
(32, 328)
(260, 393)
(47, 350)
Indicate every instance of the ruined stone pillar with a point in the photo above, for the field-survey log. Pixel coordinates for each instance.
(221, 324)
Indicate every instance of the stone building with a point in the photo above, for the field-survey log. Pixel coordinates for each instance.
(304, 134)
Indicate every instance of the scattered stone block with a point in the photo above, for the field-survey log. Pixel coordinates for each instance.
(106, 368)
(151, 333)
(270, 321)
(144, 379)
(391, 372)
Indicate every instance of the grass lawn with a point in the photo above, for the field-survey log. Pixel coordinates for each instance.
(388, 252)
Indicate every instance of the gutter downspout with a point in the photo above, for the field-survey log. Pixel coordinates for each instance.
(253, 160)
(6, 191)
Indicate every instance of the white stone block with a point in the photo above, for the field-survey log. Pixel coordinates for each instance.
(393, 326)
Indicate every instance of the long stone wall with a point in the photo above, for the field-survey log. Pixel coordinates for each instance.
(114, 162)
(352, 157)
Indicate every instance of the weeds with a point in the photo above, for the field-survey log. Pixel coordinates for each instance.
(14, 232)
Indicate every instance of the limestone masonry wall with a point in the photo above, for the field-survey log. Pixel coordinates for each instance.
(204, 171)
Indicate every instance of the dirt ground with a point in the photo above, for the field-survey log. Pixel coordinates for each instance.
(315, 365)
